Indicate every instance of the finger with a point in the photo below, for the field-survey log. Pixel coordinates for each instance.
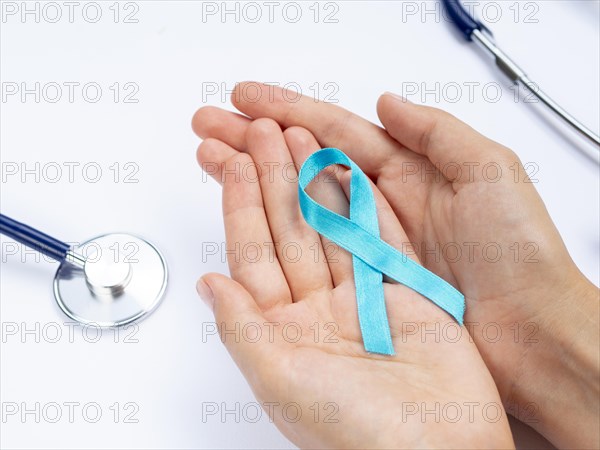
(367, 144)
(451, 145)
(324, 189)
(251, 257)
(226, 126)
(233, 307)
(211, 156)
(294, 239)
(371, 147)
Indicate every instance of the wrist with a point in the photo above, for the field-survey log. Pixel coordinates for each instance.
(557, 389)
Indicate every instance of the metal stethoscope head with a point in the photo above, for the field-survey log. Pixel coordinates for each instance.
(109, 281)
(479, 33)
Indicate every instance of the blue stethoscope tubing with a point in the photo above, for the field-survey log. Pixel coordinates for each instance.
(477, 32)
(35, 239)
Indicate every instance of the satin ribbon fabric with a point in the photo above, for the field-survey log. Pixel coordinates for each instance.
(371, 257)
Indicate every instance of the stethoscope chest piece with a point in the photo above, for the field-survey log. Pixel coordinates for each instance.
(122, 280)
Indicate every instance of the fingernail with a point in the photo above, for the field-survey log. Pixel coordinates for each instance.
(205, 293)
(397, 97)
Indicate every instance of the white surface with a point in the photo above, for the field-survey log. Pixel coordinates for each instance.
(170, 371)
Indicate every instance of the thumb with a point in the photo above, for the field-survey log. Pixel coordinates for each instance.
(450, 144)
(237, 316)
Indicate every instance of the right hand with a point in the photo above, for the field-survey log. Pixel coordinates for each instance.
(530, 292)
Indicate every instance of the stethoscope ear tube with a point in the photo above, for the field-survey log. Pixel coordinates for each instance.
(461, 18)
(35, 239)
(477, 32)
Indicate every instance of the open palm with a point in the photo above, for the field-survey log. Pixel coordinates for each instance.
(293, 296)
(470, 214)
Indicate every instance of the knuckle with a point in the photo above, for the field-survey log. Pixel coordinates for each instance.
(263, 127)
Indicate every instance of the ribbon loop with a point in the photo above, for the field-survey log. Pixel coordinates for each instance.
(371, 257)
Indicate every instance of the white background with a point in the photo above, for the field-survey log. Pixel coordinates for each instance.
(170, 55)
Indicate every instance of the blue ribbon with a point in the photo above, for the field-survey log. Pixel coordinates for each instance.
(371, 257)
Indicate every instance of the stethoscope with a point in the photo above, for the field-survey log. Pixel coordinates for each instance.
(476, 31)
(108, 281)
(115, 279)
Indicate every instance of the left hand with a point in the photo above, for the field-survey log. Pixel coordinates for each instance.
(362, 400)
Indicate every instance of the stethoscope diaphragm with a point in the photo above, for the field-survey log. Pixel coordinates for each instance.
(107, 281)
(123, 279)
